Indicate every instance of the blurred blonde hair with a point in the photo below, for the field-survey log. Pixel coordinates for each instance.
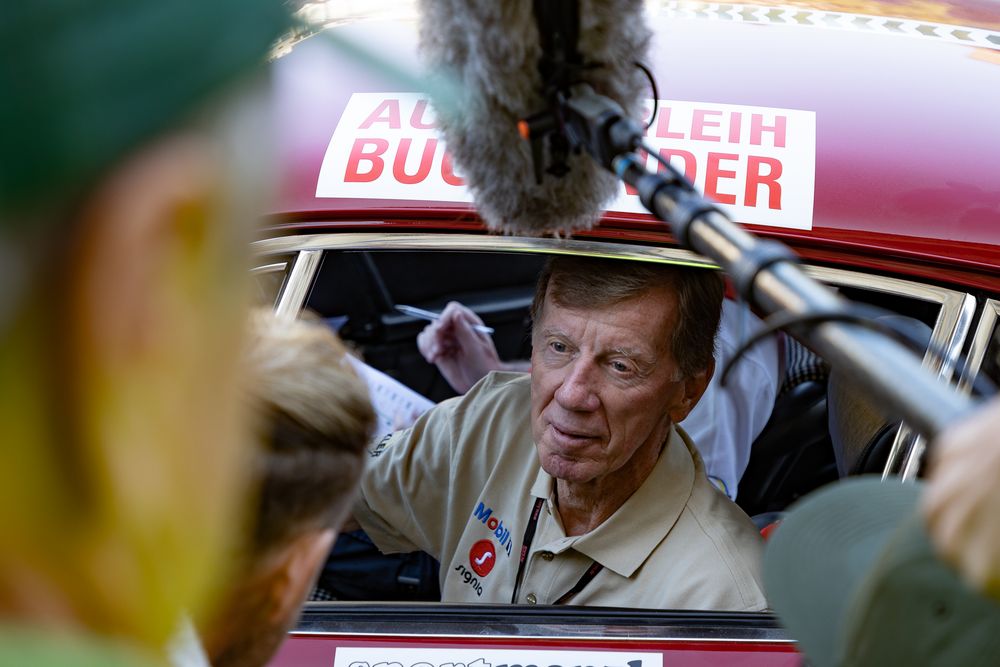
(315, 419)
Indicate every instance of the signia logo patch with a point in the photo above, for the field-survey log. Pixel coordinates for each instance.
(482, 557)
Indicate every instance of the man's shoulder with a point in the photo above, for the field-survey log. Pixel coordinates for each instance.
(498, 390)
(503, 381)
(736, 547)
(729, 546)
(493, 415)
(720, 517)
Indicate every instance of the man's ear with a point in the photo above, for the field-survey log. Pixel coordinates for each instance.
(296, 572)
(146, 212)
(694, 387)
(156, 293)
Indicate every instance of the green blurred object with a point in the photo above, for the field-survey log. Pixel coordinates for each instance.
(854, 579)
(22, 646)
(85, 81)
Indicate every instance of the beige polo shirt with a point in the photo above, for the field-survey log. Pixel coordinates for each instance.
(461, 484)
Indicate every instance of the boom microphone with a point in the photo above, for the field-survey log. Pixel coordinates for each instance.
(513, 60)
(565, 71)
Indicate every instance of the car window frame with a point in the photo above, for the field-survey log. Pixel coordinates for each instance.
(504, 622)
(951, 328)
(989, 321)
(274, 267)
(305, 265)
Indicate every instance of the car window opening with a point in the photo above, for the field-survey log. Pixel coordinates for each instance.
(819, 429)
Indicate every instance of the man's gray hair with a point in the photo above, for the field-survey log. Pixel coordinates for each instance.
(585, 282)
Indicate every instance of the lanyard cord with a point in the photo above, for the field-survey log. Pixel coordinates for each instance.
(529, 536)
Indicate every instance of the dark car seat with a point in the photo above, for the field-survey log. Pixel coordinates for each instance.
(862, 434)
(793, 453)
(357, 570)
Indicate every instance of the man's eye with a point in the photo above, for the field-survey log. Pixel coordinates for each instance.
(620, 367)
(557, 346)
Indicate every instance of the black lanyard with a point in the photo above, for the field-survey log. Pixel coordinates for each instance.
(529, 535)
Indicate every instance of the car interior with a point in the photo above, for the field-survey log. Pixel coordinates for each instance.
(821, 429)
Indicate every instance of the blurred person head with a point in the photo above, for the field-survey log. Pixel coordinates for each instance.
(129, 181)
(621, 351)
(315, 419)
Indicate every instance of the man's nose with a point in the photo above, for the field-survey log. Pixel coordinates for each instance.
(578, 390)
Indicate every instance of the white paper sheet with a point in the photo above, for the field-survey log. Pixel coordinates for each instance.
(396, 405)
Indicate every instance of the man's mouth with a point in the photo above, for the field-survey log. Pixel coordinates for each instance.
(572, 434)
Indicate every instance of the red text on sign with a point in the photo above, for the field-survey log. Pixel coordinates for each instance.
(714, 125)
(726, 179)
(368, 157)
(389, 115)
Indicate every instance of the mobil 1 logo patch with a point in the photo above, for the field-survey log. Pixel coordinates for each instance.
(377, 656)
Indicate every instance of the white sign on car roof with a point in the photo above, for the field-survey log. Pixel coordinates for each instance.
(759, 163)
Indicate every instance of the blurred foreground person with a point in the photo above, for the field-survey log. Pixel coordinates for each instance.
(867, 572)
(129, 180)
(962, 503)
(315, 420)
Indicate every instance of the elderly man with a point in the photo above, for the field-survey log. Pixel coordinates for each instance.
(571, 485)
(723, 425)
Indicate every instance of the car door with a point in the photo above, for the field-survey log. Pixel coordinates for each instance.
(354, 280)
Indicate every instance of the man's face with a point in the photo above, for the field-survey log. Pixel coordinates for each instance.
(605, 388)
(267, 601)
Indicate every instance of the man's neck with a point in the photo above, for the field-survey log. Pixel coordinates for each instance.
(583, 506)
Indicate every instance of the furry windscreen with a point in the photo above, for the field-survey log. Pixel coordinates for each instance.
(489, 51)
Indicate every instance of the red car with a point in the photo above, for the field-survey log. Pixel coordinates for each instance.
(868, 144)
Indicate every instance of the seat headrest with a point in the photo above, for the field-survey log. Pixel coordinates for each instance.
(859, 425)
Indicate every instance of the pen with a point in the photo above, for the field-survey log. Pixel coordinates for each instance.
(431, 316)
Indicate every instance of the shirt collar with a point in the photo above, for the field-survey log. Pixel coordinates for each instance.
(624, 541)
(543, 486)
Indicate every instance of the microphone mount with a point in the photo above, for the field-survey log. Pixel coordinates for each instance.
(560, 67)
(597, 124)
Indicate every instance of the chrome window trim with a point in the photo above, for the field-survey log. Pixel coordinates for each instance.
(274, 268)
(428, 620)
(980, 343)
(953, 322)
(950, 330)
(952, 325)
(908, 449)
(632, 635)
(476, 242)
(269, 268)
(300, 280)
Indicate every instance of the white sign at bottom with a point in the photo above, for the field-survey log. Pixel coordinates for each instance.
(445, 657)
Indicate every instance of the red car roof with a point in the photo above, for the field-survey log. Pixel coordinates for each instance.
(870, 136)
